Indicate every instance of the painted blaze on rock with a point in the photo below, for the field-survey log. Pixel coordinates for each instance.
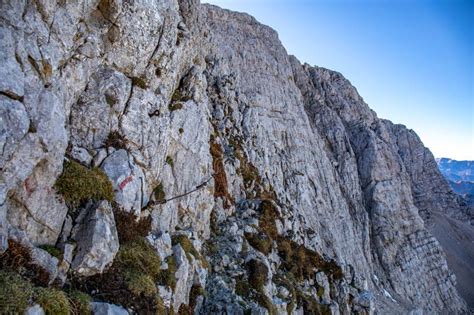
(128, 181)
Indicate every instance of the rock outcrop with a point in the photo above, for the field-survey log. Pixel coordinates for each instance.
(259, 183)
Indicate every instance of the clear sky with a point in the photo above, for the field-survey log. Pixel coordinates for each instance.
(411, 61)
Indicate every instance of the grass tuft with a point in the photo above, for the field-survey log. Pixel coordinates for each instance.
(169, 161)
(15, 293)
(53, 301)
(53, 251)
(78, 184)
(220, 177)
(80, 302)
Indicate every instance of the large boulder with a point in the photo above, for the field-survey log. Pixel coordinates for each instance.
(97, 239)
(128, 181)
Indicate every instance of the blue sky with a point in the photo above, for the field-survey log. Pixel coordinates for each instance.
(411, 61)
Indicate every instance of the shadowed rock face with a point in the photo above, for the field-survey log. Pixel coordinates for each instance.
(256, 163)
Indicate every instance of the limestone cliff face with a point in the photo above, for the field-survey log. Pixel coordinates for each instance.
(267, 184)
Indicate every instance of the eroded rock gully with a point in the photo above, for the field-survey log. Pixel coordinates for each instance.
(244, 181)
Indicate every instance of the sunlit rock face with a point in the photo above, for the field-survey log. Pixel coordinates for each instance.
(267, 185)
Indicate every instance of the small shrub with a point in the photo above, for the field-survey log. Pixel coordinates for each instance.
(168, 276)
(15, 293)
(140, 82)
(311, 306)
(320, 292)
(260, 242)
(138, 256)
(159, 193)
(178, 96)
(130, 229)
(141, 284)
(169, 161)
(130, 280)
(175, 106)
(257, 273)
(302, 262)
(18, 258)
(80, 302)
(220, 177)
(268, 215)
(78, 184)
(116, 140)
(53, 301)
(242, 287)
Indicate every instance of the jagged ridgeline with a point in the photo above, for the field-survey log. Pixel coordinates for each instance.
(164, 157)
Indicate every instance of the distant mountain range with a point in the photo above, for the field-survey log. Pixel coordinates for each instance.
(460, 175)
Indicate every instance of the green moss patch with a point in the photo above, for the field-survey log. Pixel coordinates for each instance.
(138, 256)
(78, 184)
(130, 281)
(15, 293)
(168, 276)
(53, 301)
(169, 161)
(80, 302)
(53, 251)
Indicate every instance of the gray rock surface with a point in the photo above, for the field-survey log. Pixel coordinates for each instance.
(35, 310)
(445, 213)
(128, 181)
(99, 308)
(201, 120)
(97, 240)
(162, 244)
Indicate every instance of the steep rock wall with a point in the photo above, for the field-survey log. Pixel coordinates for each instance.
(205, 126)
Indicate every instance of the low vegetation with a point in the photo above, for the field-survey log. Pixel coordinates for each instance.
(131, 280)
(169, 161)
(53, 301)
(175, 106)
(129, 227)
(189, 248)
(220, 177)
(140, 82)
(15, 293)
(53, 251)
(80, 302)
(116, 140)
(17, 258)
(159, 193)
(78, 184)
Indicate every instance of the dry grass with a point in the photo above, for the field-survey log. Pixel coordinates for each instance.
(220, 177)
